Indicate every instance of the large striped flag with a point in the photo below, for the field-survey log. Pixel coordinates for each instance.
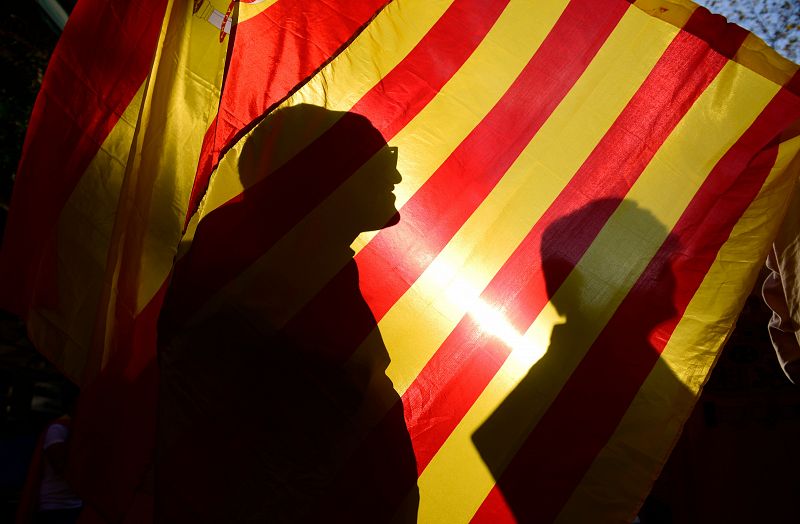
(582, 193)
(126, 121)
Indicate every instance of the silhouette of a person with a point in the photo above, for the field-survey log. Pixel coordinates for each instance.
(533, 477)
(265, 402)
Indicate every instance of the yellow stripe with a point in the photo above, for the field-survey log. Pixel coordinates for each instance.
(762, 59)
(687, 155)
(249, 10)
(675, 12)
(184, 97)
(341, 83)
(180, 99)
(617, 480)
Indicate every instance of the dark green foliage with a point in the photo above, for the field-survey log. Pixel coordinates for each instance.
(27, 42)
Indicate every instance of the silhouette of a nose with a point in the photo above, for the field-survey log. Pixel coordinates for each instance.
(396, 177)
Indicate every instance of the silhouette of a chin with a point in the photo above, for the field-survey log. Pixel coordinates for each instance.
(372, 211)
(378, 221)
(395, 218)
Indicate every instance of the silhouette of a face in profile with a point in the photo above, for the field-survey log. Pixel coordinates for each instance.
(354, 170)
(588, 294)
(264, 382)
(371, 197)
(615, 302)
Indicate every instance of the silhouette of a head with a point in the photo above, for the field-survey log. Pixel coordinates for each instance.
(364, 201)
(585, 296)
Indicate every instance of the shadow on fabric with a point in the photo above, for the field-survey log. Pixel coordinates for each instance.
(265, 406)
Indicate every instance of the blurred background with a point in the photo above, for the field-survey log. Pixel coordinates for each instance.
(777, 22)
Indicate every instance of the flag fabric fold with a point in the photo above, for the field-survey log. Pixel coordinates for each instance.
(781, 290)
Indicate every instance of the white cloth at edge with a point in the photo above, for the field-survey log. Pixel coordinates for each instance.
(781, 290)
(54, 492)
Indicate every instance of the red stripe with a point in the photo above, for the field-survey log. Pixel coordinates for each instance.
(217, 257)
(90, 80)
(793, 85)
(589, 407)
(723, 37)
(494, 510)
(114, 432)
(273, 54)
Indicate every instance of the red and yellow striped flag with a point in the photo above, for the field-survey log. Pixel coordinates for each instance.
(128, 117)
(585, 191)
